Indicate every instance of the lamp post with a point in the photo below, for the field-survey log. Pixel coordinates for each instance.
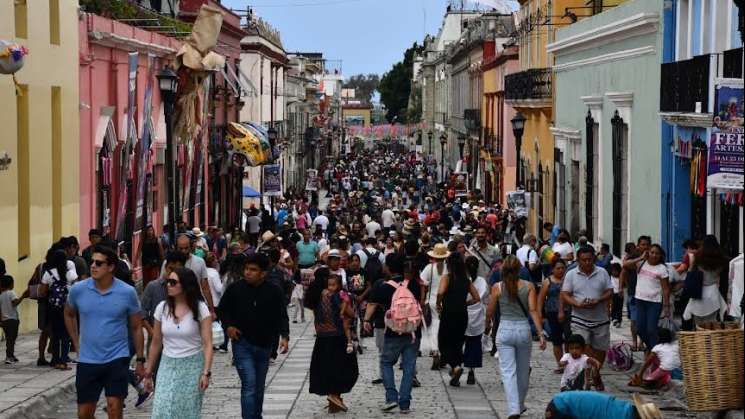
(443, 141)
(271, 133)
(430, 134)
(518, 126)
(461, 143)
(168, 83)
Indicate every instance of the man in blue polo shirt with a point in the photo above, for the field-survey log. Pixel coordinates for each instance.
(107, 306)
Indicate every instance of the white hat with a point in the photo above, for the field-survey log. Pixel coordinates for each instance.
(197, 232)
(334, 253)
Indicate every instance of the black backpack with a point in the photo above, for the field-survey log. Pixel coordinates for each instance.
(373, 268)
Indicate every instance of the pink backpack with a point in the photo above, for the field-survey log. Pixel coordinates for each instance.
(620, 357)
(405, 314)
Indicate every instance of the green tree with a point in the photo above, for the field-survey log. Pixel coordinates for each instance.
(364, 85)
(395, 86)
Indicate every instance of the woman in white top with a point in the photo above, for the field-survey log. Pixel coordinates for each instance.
(713, 264)
(430, 277)
(563, 246)
(652, 295)
(57, 277)
(183, 330)
(473, 352)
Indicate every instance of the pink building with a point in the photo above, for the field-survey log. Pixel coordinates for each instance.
(121, 180)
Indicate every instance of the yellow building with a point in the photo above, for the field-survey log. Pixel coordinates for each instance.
(39, 191)
(530, 92)
(356, 114)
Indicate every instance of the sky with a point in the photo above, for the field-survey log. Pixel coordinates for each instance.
(368, 36)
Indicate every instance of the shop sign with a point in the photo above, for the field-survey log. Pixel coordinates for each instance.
(517, 201)
(272, 180)
(311, 180)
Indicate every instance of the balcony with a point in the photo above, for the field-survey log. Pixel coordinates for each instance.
(733, 64)
(528, 87)
(683, 83)
(472, 119)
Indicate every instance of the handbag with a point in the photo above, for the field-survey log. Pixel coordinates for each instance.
(34, 284)
(218, 337)
(693, 287)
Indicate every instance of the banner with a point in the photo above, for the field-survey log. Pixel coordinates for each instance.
(311, 180)
(272, 180)
(125, 163)
(460, 183)
(517, 202)
(726, 162)
(143, 147)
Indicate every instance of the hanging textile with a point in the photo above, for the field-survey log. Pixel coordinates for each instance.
(698, 172)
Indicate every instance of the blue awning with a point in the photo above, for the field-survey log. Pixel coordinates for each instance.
(249, 192)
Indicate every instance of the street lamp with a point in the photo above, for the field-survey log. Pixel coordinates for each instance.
(461, 143)
(518, 126)
(443, 141)
(168, 84)
(271, 134)
(430, 134)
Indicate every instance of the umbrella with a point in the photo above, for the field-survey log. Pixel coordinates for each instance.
(249, 192)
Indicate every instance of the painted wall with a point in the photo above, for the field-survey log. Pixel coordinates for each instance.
(599, 77)
(364, 113)
(51, 147)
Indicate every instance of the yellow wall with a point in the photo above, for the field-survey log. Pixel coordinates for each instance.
(48, 148)
(538, 147)
(364, 113)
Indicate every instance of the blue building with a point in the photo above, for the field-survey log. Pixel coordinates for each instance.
(702, 51)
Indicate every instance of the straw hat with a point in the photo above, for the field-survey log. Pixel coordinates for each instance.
(196, 232)
(646, 410)
(267, 237)
(440, 251)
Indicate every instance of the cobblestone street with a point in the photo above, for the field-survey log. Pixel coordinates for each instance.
(287, 393)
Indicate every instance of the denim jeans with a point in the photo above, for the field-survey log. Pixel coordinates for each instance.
(60, 339)
(647, 316)
(252, 363)
(514, 345)
(406, 348)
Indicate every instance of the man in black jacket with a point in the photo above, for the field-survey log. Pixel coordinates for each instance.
(253, 314)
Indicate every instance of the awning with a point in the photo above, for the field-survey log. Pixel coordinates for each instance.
(249, 192)
(231, 81)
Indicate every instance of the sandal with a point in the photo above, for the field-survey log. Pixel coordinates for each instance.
(350, 347)
(337, 402)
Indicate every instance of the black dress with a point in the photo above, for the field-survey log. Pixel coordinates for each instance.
(453, 322)
(332, 369)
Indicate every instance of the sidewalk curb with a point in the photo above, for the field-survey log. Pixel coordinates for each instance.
(49, 398)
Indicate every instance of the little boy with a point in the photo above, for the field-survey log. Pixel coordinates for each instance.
(580, 371)
(616, 311)
(9, 316)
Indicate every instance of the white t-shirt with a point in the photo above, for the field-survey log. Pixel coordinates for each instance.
(477, 312)
(216, 285)
(51, 275)
(573, 367)
(526, 253)
(182, 339)
(322, 221)
(616, 284)
(648, 285)
(7, 309)
(431, 277)
(668, 354)
(563, 249)
(371, 228)
(388, 217)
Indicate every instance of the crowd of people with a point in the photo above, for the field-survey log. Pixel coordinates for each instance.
(422, 269)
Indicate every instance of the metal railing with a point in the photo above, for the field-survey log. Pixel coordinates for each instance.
(683, 83)
(534, 83)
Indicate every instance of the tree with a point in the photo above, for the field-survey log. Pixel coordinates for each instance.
(364, 85)
(395, 86)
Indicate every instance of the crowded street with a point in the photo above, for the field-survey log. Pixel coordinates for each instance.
(319, 209)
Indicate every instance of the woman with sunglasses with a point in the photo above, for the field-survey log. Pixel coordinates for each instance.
(183, 331)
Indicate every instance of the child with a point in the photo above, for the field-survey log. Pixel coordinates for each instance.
(346, 313)
(616, 313)
(580, 371)
(9, 316)
(664, 358)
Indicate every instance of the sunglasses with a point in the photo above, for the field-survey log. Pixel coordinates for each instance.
(99, 262)
(172, 282)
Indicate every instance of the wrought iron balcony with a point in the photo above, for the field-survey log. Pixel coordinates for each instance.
(683, 83)
(472, 118)
(529, 84)
(733, 63)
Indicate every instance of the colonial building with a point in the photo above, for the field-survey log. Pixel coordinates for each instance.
(39, 147)
(302, 106)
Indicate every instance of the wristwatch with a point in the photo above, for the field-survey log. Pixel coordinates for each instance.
(208, 374)
(141, 359)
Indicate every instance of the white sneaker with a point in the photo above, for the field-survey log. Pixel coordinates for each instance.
(496, 355)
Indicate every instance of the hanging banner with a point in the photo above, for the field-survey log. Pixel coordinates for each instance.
(460, 183)
(311, 180)
(272, 180)
(726, 159)
(126, 154)
(517, 202)
(143, 147)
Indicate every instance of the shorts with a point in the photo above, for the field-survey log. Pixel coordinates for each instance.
(631, 309)
(43, 323)
(112, 376)
(597, 337)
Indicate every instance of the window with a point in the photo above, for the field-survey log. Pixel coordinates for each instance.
(54, 23)
(574, 204)
(591, 162)
(24, 194)
(56, 161)
(560, 187)
(620, 183)
(20, 11)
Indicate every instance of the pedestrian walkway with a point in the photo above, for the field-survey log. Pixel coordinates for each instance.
(33, 392)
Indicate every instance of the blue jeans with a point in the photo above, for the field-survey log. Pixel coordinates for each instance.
(647, 316)
(252, 363)
(393, 347)
(514, 345)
